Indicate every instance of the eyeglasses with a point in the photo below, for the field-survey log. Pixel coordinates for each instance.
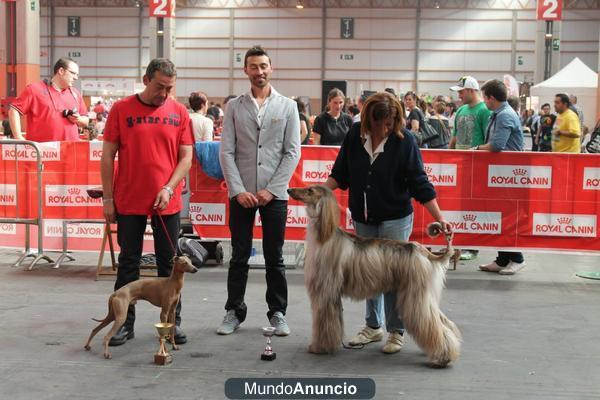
(72, 73)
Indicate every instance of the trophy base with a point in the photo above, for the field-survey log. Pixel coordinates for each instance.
(160, 359)
(268, 357)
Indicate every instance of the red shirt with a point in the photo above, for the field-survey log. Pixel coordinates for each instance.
(43, 106)
(149, 138)
(99, 108)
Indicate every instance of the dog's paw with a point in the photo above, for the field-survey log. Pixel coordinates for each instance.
(108, 356)
(175, 347)
(315, 349)
(87, 347)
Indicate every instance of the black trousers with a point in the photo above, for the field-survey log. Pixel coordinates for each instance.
(241, 223)
(504, 257)
(130, 236)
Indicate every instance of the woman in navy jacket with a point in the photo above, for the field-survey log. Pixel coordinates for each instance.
(380, 163)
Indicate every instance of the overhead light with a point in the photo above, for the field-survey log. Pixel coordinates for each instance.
(548, 36)
(160, 32)
(299, 5)
(138, 3)
(436, 4)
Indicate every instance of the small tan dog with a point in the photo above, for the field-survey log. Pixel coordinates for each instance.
(162, 292)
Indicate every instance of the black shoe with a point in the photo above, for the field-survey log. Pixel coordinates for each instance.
(180, 336)
(123, 334)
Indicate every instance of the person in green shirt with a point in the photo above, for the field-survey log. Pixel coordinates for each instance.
(471, 118)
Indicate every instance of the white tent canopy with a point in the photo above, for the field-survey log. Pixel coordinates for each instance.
(577, 79)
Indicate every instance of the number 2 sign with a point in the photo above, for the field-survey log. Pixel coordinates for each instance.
(549, 10)
(162, 8)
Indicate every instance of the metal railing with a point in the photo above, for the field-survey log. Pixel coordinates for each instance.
(39, 221)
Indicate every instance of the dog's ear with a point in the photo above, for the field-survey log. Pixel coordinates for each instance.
(329, 218)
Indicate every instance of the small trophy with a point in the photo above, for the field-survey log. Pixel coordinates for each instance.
(268, 354)
(163, 357)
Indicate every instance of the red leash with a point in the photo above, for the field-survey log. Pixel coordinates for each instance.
(166, 232)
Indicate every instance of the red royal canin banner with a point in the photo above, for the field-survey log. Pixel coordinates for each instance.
(541, 201)
(162, 8)
(549, 10)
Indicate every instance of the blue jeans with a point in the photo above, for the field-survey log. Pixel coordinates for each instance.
(397, 229)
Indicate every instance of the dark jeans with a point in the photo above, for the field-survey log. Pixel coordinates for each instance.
(504, 257)
(130, 236)
(241, 222)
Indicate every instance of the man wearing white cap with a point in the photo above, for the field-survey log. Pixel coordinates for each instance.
(471, 118)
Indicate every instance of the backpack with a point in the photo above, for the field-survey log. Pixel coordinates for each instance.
(426, 132)
(194, 250)
(593, 146)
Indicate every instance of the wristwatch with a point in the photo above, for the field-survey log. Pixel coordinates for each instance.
(168, 189)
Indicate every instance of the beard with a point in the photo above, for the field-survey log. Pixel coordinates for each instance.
(260, 81)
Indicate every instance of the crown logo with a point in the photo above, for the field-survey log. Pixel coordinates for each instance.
(329, 166)
(469, 217)
(564, 220)
(289, 212)
(428, 170)
(74, 191)
(519, 171)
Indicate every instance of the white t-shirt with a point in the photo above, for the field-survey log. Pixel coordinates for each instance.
(202, 127)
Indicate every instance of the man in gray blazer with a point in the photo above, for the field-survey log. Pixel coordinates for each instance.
(260, 148)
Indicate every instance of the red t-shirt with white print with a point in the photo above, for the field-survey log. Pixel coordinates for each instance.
(149, 138)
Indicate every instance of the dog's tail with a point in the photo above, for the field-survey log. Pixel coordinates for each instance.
(110, 310)
(435, 229)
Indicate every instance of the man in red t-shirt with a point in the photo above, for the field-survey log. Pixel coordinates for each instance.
(54, 108)
(151, 132)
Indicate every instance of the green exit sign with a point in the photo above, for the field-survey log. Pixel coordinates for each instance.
(556, 44)
(32, 5)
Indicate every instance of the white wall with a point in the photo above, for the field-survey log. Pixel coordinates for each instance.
(453, 42)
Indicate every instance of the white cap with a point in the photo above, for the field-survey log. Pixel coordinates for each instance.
(466, 82)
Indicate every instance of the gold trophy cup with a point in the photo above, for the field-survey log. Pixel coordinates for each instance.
(163, 357)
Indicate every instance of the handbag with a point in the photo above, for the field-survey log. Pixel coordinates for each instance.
(593, 146)
(428, 133)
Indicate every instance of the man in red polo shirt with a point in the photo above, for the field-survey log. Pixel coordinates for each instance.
(151, 132)
(54, 108)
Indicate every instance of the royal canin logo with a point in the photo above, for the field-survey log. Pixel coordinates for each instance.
(591, 178)
(54, 228)
(50, 151)
(8, 229)
(441, 174)
(208, 213)
(569, 225)
(296, 217)
(520, 176)
(70, 195)
(8, 195)
(478, 222)
(470, 217)
(315, 171)
(564, 220)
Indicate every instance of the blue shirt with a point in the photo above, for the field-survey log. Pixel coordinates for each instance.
(504, 130)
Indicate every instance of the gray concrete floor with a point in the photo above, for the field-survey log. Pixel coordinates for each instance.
(535, 335)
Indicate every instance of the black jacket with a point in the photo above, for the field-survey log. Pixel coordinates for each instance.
(389, 183)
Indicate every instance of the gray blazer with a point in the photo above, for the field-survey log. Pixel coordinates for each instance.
(255, 157)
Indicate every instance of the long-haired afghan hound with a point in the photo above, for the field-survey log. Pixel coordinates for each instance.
(340, 264)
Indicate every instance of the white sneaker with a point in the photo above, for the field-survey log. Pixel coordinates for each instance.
(394, 343)
(230, 323)
(512, 268)
(367, 335)
(491, 267)
(280, 324)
